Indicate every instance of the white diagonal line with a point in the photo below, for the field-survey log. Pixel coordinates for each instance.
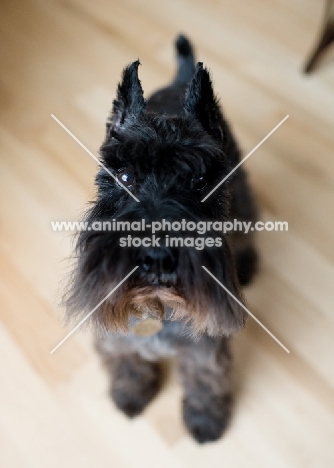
(245, 308)
(244, 159)
(92, 311)
(93, 156)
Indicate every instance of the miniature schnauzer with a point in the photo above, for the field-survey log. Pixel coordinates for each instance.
(169, 151)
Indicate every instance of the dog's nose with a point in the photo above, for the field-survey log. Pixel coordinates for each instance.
(158, 261)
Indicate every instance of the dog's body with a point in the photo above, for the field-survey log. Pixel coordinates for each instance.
(170, 151)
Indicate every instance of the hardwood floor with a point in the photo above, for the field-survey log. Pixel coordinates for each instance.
(65, 57)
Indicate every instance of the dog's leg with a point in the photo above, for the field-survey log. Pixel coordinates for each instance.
(205, 373)
(134, 380)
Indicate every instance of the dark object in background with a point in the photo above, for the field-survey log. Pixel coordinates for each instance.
(326, 37)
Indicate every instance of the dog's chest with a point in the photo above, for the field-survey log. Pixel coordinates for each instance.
(155, 347)
(163, 344)
(158, 345)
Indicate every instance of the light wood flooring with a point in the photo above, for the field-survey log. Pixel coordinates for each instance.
(65, 57)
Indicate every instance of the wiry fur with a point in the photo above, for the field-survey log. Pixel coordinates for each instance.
(169, 144)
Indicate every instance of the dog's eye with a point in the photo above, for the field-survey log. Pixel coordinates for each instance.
(125, 177)
(199, 183)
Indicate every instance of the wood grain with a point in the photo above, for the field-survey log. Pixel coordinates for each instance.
(65, 57)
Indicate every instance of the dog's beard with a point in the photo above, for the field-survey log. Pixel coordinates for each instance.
(139, 302)
(194, 296)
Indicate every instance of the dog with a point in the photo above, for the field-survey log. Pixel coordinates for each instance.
(169, 152)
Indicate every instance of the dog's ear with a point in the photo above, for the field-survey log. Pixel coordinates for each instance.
(201, 103)
(130, 102)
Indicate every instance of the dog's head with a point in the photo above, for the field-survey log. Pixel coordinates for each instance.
(169, 164)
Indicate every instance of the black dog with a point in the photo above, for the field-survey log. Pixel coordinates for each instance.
(169, 152)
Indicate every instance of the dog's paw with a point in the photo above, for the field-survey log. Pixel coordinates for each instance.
(207, 422)
(135, 383)
(131, 404)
